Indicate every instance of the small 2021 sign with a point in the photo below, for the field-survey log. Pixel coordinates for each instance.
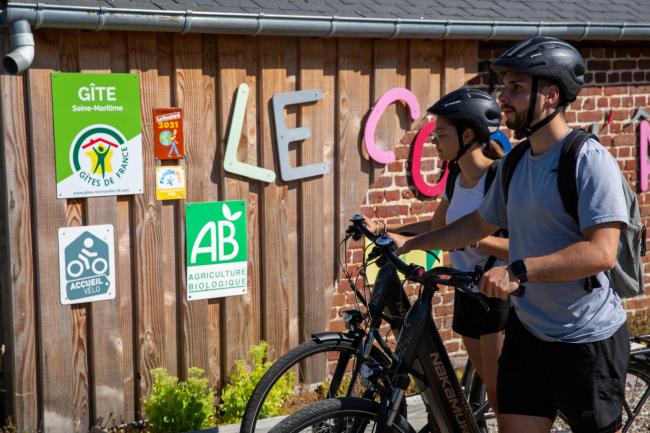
(168, 133)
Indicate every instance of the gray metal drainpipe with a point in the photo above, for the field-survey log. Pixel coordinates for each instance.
(22, 48)
(42, 15)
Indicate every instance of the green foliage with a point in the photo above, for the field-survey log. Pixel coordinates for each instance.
(9, 427)
(177, 406)
(242, 382)
(638, 323)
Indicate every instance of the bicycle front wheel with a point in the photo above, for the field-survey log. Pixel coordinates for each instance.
(340, 415)
(337, 362)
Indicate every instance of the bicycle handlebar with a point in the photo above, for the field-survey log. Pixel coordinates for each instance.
(462, 280)
(413, 272)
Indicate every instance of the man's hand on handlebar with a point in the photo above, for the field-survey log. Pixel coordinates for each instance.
(498, 283)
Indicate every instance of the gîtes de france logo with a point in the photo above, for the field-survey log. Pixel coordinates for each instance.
(99, 155)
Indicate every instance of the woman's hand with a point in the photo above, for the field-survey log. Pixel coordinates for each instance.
(401, 242)
(372, 226)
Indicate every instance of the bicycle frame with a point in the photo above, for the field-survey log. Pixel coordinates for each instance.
(421, 352)
(388, 300)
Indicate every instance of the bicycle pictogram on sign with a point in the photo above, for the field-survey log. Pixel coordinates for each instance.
(87, 267)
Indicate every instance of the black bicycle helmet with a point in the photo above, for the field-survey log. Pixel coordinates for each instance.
(469, 108)
(544, 57)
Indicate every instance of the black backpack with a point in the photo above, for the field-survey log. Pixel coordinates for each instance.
(454, 171)
(627, 276)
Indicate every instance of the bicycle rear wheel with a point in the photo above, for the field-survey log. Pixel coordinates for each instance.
(636, 410)
(337, 359)
(340, 415)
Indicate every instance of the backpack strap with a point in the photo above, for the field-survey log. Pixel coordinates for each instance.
(489, 176)
(454, 170)
(489, 179)
(566, 171)
(510, 164)
(567, 182)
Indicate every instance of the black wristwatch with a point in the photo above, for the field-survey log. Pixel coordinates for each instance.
(518, 268)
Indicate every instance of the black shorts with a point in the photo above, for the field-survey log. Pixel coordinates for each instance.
(585, 381)
(471, 319)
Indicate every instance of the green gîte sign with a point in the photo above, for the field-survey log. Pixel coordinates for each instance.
(86, 263)
(97, 138)
(217, 258)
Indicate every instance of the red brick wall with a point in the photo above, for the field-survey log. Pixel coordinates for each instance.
(618, 79)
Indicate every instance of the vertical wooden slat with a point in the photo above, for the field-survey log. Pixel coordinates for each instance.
(353, 87)
(123, 245)
(194, 92)
(238, 64)
(390, 68)
(56, 359)
(68, 48)
(106, 366)
(146, 230)
(330, 235)
(317, 70)
(470, 59)
(454, 70)
(390, 61)
(279, 227)
(425, 67)
(168, 221)
(17, 290)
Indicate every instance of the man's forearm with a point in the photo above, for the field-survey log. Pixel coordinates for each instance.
(579, 260)
(459, 234)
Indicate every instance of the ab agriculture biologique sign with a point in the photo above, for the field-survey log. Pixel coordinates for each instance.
(217, 259)
(97, 138)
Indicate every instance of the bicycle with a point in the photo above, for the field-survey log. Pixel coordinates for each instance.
(420, 353)
(388, 303)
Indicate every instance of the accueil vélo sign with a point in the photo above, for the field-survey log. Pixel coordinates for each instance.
(97, 137)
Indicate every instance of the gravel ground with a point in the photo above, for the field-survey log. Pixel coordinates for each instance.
(417, 414)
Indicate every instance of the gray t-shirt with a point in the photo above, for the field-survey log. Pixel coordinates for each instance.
(539, 225)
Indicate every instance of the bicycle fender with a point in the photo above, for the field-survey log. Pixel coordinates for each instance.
(333, 336)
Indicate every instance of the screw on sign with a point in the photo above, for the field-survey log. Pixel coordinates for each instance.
(87, 267)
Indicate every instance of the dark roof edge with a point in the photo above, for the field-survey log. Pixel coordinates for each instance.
(40, 15)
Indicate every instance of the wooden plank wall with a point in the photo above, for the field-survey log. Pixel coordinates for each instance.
(73, 365)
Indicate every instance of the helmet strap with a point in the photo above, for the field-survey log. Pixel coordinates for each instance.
(462, 145)
(530, 130)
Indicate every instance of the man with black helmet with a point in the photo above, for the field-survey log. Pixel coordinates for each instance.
(566, 345)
